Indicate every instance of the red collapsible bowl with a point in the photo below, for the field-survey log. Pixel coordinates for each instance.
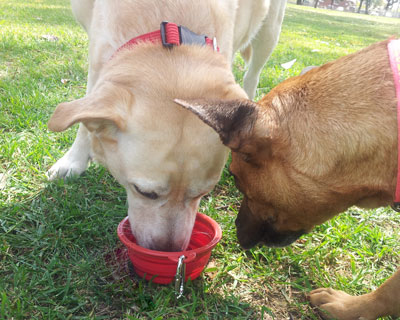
(160, 266)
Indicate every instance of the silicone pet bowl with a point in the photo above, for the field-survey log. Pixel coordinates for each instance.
(160, 266)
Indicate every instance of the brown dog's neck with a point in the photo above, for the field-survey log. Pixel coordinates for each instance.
(341, 118)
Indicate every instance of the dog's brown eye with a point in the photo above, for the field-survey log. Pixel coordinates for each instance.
(150, 195)
(245, 157)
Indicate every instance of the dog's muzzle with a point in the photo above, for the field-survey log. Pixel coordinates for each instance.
(251, 231)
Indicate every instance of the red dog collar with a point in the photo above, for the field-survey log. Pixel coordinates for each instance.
(394, 57)
(171, 34)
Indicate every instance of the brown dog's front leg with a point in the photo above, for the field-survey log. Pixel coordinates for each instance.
(339, 305)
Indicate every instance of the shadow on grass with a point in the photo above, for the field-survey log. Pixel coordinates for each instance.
(58, 261)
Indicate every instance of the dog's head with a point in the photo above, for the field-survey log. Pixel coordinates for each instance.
(295, 172)
(269, 212)
(164, 156)
(313, 146)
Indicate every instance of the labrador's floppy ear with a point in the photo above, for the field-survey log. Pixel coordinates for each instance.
(233, 120)
(107, 104)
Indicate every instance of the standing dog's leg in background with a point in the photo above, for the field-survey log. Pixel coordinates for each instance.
(262, 45)
(82, 10)
(383, 301)
(76, 160)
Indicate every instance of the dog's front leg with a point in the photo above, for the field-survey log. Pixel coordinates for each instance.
(384, 301)
(75, 161)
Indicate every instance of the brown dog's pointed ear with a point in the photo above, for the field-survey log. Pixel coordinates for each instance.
(233, 120)
(108, 104)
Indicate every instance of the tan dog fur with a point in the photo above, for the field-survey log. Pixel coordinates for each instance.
(165, 157)
(312, 147)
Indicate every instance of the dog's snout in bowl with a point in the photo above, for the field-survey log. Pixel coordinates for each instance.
(160, 266)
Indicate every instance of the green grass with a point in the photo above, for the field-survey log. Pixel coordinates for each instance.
(57, 239)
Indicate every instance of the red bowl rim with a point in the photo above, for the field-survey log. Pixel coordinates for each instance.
(173, 254)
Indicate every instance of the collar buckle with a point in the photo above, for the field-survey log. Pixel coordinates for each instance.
(163, 31)
(189, 37)
(175, 35)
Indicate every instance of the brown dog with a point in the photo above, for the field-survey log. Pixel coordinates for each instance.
(314, 146)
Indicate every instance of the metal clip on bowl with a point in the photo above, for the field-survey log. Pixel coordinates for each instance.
(180, 277)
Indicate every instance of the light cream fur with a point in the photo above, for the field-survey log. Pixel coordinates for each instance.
(165, 157)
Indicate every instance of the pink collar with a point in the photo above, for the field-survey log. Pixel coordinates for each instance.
(394, 57)
(171, 34)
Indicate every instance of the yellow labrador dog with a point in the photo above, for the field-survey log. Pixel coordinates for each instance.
(143, 55)
(312, 147)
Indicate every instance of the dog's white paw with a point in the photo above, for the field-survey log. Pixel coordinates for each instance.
(67, 167)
